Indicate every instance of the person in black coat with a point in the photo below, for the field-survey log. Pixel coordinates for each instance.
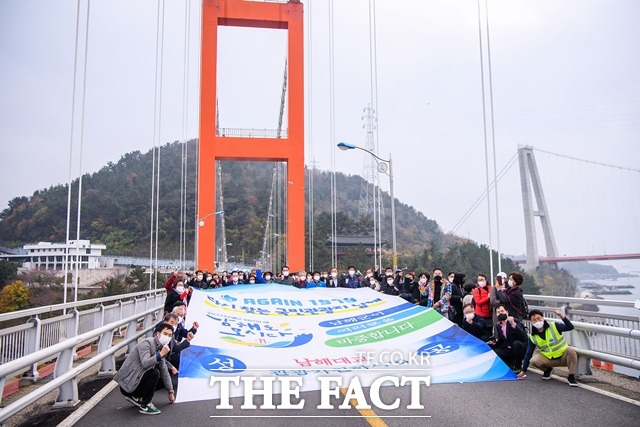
(456, 298)
(509, 338)
(474, 324)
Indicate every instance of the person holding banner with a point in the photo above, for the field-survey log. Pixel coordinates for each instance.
(143, 368)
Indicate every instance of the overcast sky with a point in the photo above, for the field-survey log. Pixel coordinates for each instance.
(565, 74)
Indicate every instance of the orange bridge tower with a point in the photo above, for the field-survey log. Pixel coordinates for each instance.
(213, 147)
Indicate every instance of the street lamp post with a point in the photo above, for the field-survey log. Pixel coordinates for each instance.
(386, 167)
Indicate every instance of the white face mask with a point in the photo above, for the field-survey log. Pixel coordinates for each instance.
(390, 282)
(482, 284)
(352, 272)
(469, 315)
(316, 278)
(285, 273)
(164, 340)
(199, 276)
(511, 283)
(251, 282)
(538, 325)
(267, 278)
(423, 280)
(450, 279)
(235, 279)
(334, 275)
(179, 289)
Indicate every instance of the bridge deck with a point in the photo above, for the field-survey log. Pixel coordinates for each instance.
(532, 402)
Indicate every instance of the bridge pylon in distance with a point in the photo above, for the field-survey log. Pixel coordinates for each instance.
(249, 14)
(530, 182)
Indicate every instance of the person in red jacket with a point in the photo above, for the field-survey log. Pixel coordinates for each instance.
(481, 299)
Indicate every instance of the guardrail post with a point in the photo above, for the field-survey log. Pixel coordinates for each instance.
(100, 316)
(148, 319)
(108, 365)
(31, 345)
(579, 339)
(131, 331)
(121, 311)
(68, 391)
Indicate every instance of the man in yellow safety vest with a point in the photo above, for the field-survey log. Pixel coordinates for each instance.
(553, 349)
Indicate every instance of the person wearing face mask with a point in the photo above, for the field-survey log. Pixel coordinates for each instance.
(235, 279)
(373, 283)
(316, 282)
(424, 295)
(285, 276)
(512, 296)
(407, 287)
(553, 349)
(175, 295)
(509, 339)
(473, 324)
(181, 332)
(437, 282)
(198, 280)
(266, 278)
(301, 280)
(482, 301)
(143, 368)
(391, 287)
(334, 281)
(351, 280)
(175, 347)
(494, 301)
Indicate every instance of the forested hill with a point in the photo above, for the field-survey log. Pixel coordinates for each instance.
(116, 210)
(116, 206)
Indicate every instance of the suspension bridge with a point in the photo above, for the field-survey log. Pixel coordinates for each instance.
(111, 326)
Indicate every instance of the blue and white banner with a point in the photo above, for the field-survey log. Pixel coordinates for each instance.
(282, 331)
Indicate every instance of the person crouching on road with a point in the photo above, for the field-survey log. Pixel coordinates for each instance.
(554, 350)
(143, 368)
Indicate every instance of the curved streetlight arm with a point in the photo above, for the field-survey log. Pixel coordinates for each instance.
(344, 146)
(201, 220)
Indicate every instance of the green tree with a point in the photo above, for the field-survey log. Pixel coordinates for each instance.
(8, 272)
(14, 296)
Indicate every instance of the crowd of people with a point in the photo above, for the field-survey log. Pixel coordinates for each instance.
(492, 311)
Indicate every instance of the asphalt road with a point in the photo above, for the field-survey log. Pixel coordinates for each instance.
(532, 402)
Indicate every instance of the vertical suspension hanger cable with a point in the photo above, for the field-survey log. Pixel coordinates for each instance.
(153, 151)
(493, 137)
(69, 182)
(380, 205)
(159, 138)
(377, 258)
(486, 144)
(332, 125)
(311, 170)
(84, 98)
(185, 117)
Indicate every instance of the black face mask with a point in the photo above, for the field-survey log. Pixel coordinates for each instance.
(502, 317)
(437, 279)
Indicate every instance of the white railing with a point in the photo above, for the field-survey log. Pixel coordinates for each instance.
(65, 374)
(613, 338)
(67, 321)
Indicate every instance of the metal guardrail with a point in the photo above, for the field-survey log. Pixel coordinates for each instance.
(65, 375)
(251, 133)
(74, 319)
(613, 338)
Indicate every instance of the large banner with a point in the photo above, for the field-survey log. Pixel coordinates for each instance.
(280, 331)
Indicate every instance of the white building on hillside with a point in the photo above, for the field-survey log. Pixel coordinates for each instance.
(51, 256)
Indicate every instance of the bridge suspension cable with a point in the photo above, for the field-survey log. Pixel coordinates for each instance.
(587, 161)
(486, 148)
(73, 113)
(157, 118)
(332, 131)
(482, 196)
